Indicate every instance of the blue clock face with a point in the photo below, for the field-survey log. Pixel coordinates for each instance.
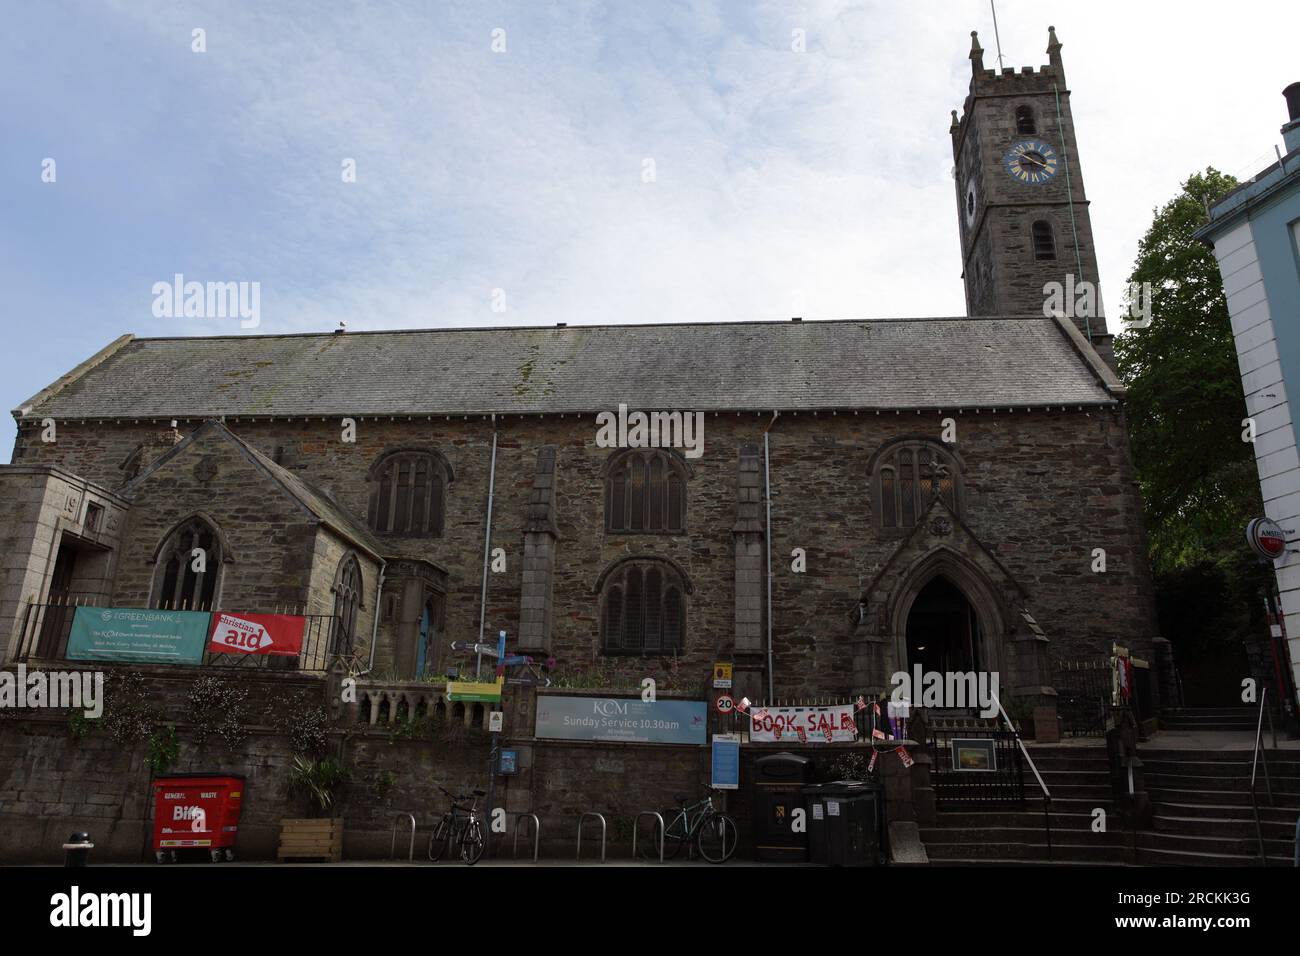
(1031, 161)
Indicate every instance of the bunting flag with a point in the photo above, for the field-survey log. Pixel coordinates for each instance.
(828, 734)
(904, 756)
(859, 704)
(871, 764)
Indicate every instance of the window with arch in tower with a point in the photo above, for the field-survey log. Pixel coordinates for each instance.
(1025, 125)
(407, 495)
(1044, 239)
(907, 478)
(643, 609)
(645, 491)
(189, 564)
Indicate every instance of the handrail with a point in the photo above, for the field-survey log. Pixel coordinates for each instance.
(1047, 796)
(1268, 783)
(537, 832)
(603, 829)
(636, 826)
(392, 850)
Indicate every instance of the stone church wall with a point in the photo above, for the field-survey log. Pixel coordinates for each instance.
(1043, 489)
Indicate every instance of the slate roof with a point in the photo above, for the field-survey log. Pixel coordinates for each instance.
(869, 364)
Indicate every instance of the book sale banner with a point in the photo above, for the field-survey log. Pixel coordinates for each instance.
(832, 723)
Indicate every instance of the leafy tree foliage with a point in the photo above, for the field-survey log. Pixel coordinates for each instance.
(1185, 402)
(1185, 409)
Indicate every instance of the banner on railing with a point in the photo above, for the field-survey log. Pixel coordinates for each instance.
(239, 633)
(138, 634)
(830, 723)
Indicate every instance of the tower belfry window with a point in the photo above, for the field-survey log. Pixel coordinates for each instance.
(1025, 125)
(1044, 240)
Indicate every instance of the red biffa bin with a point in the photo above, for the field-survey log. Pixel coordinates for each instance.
(196, 813)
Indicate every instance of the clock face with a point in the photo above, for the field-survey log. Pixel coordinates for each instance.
(968, 204)
(1031, 161)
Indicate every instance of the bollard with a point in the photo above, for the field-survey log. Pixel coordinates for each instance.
(77, 849)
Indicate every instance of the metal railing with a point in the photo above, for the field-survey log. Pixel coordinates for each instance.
(1257, 758)
(1084, 693)
(999, 784)
(592, 815)
(636, 825)
(1047, 795)
(46, 627)
(410, 853)
(537, 833)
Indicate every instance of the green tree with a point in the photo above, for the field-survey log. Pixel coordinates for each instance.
(1197, 475)
(1185, 403)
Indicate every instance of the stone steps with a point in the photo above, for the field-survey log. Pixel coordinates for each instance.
(1016, 850)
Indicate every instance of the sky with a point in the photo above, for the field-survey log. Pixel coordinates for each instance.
(539, 161)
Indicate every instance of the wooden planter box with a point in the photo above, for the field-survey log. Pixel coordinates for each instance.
(309, 839)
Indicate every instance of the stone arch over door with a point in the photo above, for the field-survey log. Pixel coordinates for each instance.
(975, 586)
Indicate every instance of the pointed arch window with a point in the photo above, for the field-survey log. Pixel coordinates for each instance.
(1044, 240)
(1025, 125)
(189, 568)
(645, 491)
(907, 476)
(408, 492)
(643, 609)
(347, 604)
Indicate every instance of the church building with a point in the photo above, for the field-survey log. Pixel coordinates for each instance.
(865, 496)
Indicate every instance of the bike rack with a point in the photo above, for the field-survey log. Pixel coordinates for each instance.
(392, 851)
(537, 832)
(636, 825)
(583, 819)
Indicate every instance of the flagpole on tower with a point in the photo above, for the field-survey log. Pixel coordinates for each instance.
(997, 39)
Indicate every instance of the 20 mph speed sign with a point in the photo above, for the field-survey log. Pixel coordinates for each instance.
(725, 704)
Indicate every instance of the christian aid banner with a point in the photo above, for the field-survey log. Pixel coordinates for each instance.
(257, 634)
(833, 723)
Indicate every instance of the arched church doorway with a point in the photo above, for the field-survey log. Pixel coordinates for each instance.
(943, 630)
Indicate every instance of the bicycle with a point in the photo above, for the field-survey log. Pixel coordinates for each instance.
(460, 826)
(712, 832)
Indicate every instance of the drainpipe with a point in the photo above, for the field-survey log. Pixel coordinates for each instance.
(487, 547)
(374, 630)
(767, 542)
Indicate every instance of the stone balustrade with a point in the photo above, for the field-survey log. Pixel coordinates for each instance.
(388, 704)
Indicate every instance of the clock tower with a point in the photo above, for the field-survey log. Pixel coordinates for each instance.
(1022, 208)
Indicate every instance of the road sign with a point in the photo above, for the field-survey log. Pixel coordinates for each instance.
(469, 647)
(721, 676)
(496, 722)
(724, 704)
(478, 691)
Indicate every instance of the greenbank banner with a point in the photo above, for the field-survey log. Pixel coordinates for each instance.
(138, 634)
(626, 719)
